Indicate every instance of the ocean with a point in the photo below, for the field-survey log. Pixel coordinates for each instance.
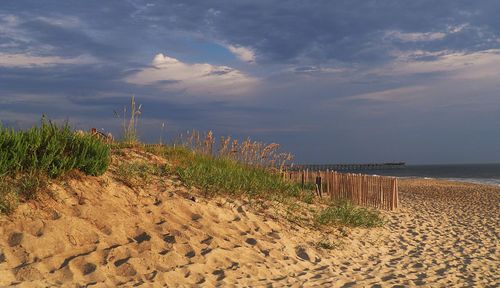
(473, 173)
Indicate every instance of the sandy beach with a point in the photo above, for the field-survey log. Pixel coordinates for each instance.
(97, 232)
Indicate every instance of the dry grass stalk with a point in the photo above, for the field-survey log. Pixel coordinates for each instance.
(249, 152)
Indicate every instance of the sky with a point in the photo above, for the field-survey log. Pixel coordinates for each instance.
(351, 81)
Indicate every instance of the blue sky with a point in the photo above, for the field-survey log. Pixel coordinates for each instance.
(332, 81)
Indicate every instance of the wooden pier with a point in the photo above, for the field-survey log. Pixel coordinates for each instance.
(347, 167)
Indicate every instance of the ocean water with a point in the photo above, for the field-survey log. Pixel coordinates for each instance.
(473, 173)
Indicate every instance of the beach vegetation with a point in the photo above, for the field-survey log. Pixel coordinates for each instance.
(348, 214)
(52, 150)
(29, 184)
(225, 175)
(248, 169)
(327, 244)
(29, 158)
(130, 120)
(9, 198)
(248, 151)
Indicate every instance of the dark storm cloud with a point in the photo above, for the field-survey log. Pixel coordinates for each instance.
(66, 41)
(319, 65)
(279, 31)
(62, 79)
(325, 30)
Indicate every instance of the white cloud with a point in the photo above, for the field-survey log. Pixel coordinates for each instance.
(415, 37)
(243, 53)
(314, 69)
(62, 21)
(171, 74)
(481, 64)
(461, 80)
(389, 95)
(29, 61)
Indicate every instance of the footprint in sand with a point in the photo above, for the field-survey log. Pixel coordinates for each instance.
(142, 237)
(170, 239)
(220, 274)
(207, 240)
(190, 254)
(88, 268)
(205, 251)
(151, 276)
(266, 252)
(274, 234)
(120, 262)
(196, 217)
(251, 241)
(301, 253)
(15, 239)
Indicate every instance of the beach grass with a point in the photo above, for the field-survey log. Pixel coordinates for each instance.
(51, 149)
(216, 174)
(9, 198)
(224, 175)
(348, 214)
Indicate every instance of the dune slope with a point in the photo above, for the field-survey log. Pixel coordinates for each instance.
(98, 232)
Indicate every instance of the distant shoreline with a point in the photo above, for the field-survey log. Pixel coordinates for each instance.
(477, 181)
(487, 174)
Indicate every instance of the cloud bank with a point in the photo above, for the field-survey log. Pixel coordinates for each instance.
(170, 74)
(31, 61)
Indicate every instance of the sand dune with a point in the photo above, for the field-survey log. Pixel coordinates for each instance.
(97, 232)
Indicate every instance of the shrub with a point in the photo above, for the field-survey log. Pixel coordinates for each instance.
(346, 213)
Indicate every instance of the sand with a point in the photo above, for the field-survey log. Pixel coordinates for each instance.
(97, 232)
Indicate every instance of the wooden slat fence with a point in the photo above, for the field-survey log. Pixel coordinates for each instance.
(366, 190)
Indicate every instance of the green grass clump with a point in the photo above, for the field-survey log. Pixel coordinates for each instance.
(28, 185)
(326, 244)
(29, 158)
(226, 175)
(9, 198)
(23, 186)
(346, 213)
(51, 150)
(221, 174)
